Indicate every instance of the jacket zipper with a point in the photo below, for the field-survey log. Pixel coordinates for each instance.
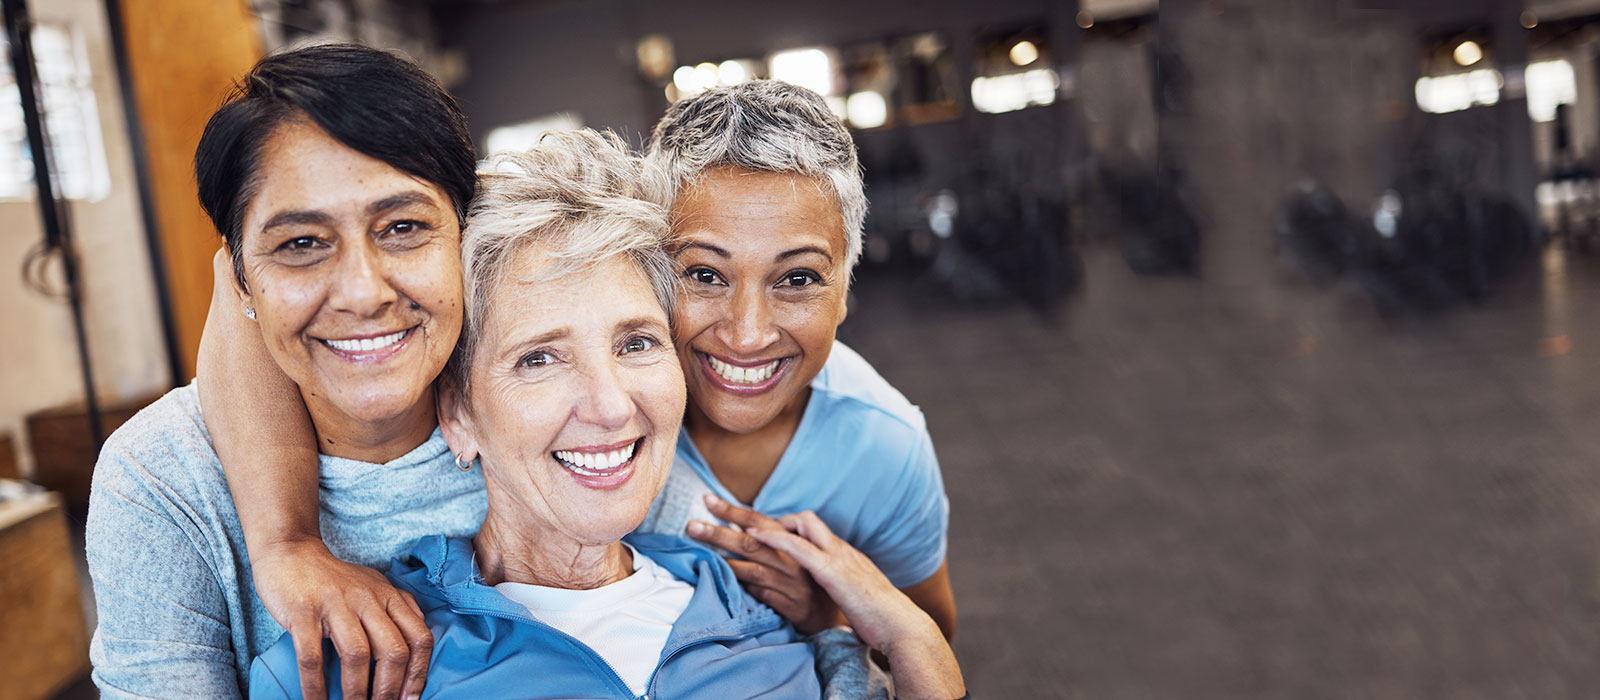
(650, 688)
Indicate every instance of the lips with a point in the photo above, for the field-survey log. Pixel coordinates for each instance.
(743, 377)
(372, 348)
(600, 466)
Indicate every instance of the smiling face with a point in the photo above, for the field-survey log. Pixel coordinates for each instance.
(354, 271)
(765, 277)
(574, 402)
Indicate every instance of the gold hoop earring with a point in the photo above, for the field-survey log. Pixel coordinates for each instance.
(463, 465)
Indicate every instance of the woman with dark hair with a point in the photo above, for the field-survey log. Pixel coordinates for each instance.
(338, 177)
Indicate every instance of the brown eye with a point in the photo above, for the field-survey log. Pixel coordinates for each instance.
(800, 278)
(703, 275)
(535, 359)
(299, 244)
(638, 343)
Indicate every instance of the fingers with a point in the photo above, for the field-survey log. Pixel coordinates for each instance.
(757, 574)
(743, 544)
(391, 652)
(408, 617)
(739, 543)
(791, 609)
(350, 640)
(805, 552)
(307, 635)
(743, 517)
(808, 525)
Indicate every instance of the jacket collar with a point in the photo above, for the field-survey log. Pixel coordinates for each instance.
(446, 569)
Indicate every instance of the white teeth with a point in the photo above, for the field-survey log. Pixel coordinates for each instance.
(366, 344)
(744, 375)
(595, 463)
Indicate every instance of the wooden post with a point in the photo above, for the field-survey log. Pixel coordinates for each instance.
(182, 58)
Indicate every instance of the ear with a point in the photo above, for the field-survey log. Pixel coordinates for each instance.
(225, 281)
(455, 421)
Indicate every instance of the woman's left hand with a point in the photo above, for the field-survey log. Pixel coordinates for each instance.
(920, 660)
(771, 576)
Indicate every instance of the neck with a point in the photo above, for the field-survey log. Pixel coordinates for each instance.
(744, 461)
(507, 552)
(341, 435)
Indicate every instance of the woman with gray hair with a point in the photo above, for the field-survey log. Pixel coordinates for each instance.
(767, 211)
(566, 392)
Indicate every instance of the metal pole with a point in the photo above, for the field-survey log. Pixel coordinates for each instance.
(147, 205)
(52, 210)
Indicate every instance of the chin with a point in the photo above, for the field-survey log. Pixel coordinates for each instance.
(728, 414)
(614, 527)
(377, 406)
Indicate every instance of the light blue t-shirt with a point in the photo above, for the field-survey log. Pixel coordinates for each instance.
(178, 612)
(861, 459)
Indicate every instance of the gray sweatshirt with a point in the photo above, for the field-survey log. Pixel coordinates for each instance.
(178, 612)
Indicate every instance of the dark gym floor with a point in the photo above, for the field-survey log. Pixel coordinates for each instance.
(1242, 487)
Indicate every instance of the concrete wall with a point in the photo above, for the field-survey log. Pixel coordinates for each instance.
(38, 357)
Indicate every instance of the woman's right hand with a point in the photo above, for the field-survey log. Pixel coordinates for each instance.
(315, 595)
(921, 662)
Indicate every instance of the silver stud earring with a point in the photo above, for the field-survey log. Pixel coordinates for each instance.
(250, 312)
(463, 464)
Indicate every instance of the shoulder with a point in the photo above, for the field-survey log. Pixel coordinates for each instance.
(164, 446)
(854, 405)
(851, 383)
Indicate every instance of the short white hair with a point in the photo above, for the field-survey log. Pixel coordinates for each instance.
(767, 126)
(579, 195)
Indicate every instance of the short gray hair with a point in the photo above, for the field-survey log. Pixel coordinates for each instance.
(579, 194)
(762, 125)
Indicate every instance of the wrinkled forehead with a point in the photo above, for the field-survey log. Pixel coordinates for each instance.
(759, 211)
(538, 292)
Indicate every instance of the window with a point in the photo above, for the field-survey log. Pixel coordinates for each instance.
(1550, 83)
(1014, 71)
(72, 121)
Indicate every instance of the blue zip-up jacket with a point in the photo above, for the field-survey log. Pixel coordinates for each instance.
(725, 645)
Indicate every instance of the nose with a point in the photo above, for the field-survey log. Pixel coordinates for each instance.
(605, 402)
(361, 285)
(748, 328)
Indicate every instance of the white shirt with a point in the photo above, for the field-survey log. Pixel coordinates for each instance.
(626, 623)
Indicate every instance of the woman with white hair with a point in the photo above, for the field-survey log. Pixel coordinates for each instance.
(566, 392)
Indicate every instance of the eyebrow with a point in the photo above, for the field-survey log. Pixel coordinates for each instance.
(707, 246)
(296, 217)
(321, 218)
(781, 256)
(801, 251)
(639, 322)
(396, 201)
(541, 339)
